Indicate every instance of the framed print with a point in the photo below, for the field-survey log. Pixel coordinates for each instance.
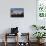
(17, 12)
(41, 12)
(41, 8)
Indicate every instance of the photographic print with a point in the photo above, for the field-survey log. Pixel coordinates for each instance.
(17, 12)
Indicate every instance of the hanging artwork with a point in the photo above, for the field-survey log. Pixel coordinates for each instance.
(17, 12)
(41, 8)
(41, 13)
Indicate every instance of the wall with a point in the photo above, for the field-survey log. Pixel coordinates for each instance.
(24, 24)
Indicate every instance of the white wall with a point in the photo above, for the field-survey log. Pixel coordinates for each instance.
(24, 24)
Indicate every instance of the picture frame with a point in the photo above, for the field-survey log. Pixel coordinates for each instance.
(17, 12)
